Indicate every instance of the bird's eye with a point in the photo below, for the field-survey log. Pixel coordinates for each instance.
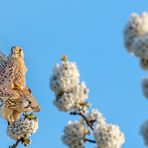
(20, 50)
(26, 103)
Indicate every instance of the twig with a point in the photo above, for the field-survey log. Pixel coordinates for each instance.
(89, 140)
(16, 144)
(83, 116)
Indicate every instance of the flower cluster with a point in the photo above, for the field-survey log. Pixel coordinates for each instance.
(23, 128)
(105, 135)
(136, 41)
(96, 117)
(136, 37)
(144, 132)
(145, 87)
(65, 82)
(74, 134)
(109, 136)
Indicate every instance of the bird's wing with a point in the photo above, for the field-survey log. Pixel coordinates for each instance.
(3, 59)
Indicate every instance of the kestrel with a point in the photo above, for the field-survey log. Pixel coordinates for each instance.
(13, 103)
(13, 69)
(15, 96)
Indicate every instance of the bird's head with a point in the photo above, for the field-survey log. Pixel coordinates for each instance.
(16, 52)
(28, 102)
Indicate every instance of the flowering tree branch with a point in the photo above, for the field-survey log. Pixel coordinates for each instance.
(136, 42)
(66, 79)
(83, 116)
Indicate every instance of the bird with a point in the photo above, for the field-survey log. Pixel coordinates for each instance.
(13, 69)
(15, 102)
(15, 96)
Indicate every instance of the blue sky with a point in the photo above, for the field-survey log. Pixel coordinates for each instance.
(90, 32)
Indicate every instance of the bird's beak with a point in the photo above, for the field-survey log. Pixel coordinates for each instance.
(37, 109)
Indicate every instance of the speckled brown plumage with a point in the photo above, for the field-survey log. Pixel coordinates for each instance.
(16, 102)
(14, 71)
(15, 96)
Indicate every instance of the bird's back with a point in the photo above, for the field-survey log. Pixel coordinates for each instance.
(14, 71)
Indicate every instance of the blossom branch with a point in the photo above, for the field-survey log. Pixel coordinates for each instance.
(83, 116)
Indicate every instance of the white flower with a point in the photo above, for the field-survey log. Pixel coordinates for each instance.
(96, 116)
(144, 132)
(140, 45)
(65, 102)
(109, 136)
(65, 77)
(22, 128)
(136, 37)
(136, 26)
(74, 133)
(70, 93)
(72, 99)
(80, 93)
(145, 87)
